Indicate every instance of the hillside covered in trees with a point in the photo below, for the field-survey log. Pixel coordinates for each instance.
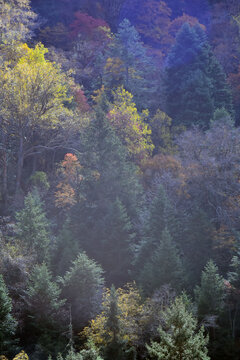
(120, 179)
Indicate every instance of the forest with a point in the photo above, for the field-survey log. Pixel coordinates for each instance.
(119, 179)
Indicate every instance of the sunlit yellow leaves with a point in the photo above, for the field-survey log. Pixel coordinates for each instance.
(33, 91)
(130, 125)
(114, 66)
(21, 356)
(16, 20)
(130, 311)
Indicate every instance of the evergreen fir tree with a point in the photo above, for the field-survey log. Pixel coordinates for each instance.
(179, 336)
(160, 217)
(7, 322)
(66, 250)
(234, 293)
(164, 267)
(196, 244)
(234, 274)
(185, 79)
(211, 292)
(136, 69)
(82, 287)
(222, 117)
(44, 324)
(91, 353)
(195, 82)
(115, 346)
(221, 93)
(34, 228)
(109, 179)
(118, 244)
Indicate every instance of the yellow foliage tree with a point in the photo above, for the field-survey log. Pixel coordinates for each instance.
(130, 311)
(21, 356)
(130, 126)
(16, 20)
(33, 92)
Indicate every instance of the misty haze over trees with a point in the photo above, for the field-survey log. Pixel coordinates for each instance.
(120, 179)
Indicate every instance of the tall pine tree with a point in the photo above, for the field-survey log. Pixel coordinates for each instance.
(7, 322)
(211, 292)
(111, 191)
(179, 336)
(45, 325)
(129, 65)
(160, 216)
(195, 84)
(34, 227)
(164, 266)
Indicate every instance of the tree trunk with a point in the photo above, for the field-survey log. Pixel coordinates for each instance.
(5, 190)
(19, 164)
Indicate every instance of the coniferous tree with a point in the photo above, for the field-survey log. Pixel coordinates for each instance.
(179, 336)
(44, 308)
(221, 93)
(133, 66)
(33, 227)
(109, 178)
(163, 267)
(115, 345)
(188, 99)
(66, 250)
(118, 244)
(160, 216)
(211, 292)
(7, 322)
(195, 82)
(196, 244)
(234, 295)
(82, 287)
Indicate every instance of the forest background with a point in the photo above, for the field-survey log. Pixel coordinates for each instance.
(120, 179)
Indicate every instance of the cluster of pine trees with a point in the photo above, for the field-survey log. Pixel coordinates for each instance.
(119, 179)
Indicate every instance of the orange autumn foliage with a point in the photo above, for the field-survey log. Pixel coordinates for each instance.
(69, 171)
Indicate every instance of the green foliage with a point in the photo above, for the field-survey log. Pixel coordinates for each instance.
(91, 353)
(197, 244)
(211, 292)
(40, 181)
(102, 150)
(118, 244)
(44, 310)
(7, 322)
(160, 217)
(109, 179)
(65, 251)
(234, 274)
(131, 65)
(114, 348)
(163, 267)
(223, 117)
(34, 228)
(195, 82)
(179, 336)
(82, 286)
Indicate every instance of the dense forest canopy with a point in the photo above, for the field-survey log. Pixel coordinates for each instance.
(119, 179)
